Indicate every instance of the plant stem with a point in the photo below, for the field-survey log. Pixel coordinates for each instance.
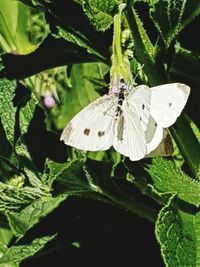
(120, 64)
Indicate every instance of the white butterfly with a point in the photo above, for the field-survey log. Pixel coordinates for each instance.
(131, 121)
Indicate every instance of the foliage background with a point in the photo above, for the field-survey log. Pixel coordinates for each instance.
(71, 211)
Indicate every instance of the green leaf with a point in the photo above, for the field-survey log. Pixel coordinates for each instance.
(86, 179)
(170, 17)
(143, 36)
(178, 235)
(71, 179)
(53, 170)
(7, 109)
(77, 38)
(100, 13)
(188, 144)
(144, 50)
(192, 10)
(185, 66)
(80, 92)
(194, 128)
(32, 214)
(16, 254)
(167, 177)
(26, 114)
(5, 238)
(22, 28)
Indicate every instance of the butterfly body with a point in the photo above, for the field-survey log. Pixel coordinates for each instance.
(131, 120)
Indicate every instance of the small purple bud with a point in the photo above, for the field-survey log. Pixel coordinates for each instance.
(49, 101)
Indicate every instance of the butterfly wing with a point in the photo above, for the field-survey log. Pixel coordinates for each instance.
(140, 99)
(92, 128)
(167, 102)
(129, 138)
(153, 135)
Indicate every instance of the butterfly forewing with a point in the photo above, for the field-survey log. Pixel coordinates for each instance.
(167, 102)
(92, 128)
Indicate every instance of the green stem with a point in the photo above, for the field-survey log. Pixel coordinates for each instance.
(116, 46)
(120, 64)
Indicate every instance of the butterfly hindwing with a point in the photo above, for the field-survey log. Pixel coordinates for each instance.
(153, 135)
(140, 99)
(167, 102)
(92, 128)
(129, 138)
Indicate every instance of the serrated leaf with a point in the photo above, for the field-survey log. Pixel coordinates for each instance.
(53, 170)
(85, 178)
(77, 38)
(72, 178)
(16, 254)
(167, 16)
(178, 235)
(7, 109)
(26, 114)
(100, 13)
(144, 37)
(191, 11)
(144, 50)
(167, 177)
(170, 17)
(32, 214)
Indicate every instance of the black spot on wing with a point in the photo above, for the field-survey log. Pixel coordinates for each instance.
(86, 131)
(101, 133)
(170, 104)
(143, 106)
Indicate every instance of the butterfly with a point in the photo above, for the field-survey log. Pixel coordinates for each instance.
(131, 120)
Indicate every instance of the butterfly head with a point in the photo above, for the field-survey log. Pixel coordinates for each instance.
(118, 86)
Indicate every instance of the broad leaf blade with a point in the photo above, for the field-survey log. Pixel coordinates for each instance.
(32, 214)
(167, 177)
(100, 13)
(26, 114)
(81, 92)
(7, 109)
(16, 254)
(77, 38)
(178, 235)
